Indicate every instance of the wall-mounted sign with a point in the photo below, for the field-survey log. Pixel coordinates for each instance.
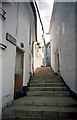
(11, 39)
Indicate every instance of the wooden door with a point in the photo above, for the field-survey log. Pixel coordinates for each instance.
(18, 86)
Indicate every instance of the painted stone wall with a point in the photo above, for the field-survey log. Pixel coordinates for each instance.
(62, 31)
(19, 20)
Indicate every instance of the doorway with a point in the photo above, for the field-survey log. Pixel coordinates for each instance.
(58, 62)
(18, 86)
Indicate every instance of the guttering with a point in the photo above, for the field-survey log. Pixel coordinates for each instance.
(39, 15)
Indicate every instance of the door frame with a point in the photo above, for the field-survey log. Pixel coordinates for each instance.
(22, 64)
(58, 62)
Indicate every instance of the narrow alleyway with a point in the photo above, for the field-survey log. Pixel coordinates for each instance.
(47, 99)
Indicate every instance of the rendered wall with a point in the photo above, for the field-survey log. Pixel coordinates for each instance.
(62, 32)
(25, 14)
(19, 19)
(8, 56)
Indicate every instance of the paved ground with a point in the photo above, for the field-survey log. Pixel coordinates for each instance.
(47, 99)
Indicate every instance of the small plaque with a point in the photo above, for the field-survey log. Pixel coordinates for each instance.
(11, 39)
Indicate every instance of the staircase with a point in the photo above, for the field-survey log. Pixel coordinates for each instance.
(47, 99)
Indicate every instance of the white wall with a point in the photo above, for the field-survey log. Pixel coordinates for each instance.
(25, 14)
(18, 25)
(37, 57)
(8, 70)
(8, 58)
(63, 41)
(10, 24)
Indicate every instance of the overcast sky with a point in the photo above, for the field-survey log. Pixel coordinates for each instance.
(45, 8)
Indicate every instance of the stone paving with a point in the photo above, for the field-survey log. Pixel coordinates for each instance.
(47, 99)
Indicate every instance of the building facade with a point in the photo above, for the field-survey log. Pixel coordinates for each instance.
(40, 49)
(63, 27)
(18, 38)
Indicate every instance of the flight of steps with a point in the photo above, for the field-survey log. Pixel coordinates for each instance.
(47, 86)
(47, 99)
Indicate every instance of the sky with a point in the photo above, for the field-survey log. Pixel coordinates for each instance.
(45, 9)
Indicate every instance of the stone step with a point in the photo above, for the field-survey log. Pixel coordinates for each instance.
(41, 103)
(39, 111)
(48, 93)
(45, 81)
(46, 101)
(47, 88)
(41, 118)
(46, 84)
(44, 77)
